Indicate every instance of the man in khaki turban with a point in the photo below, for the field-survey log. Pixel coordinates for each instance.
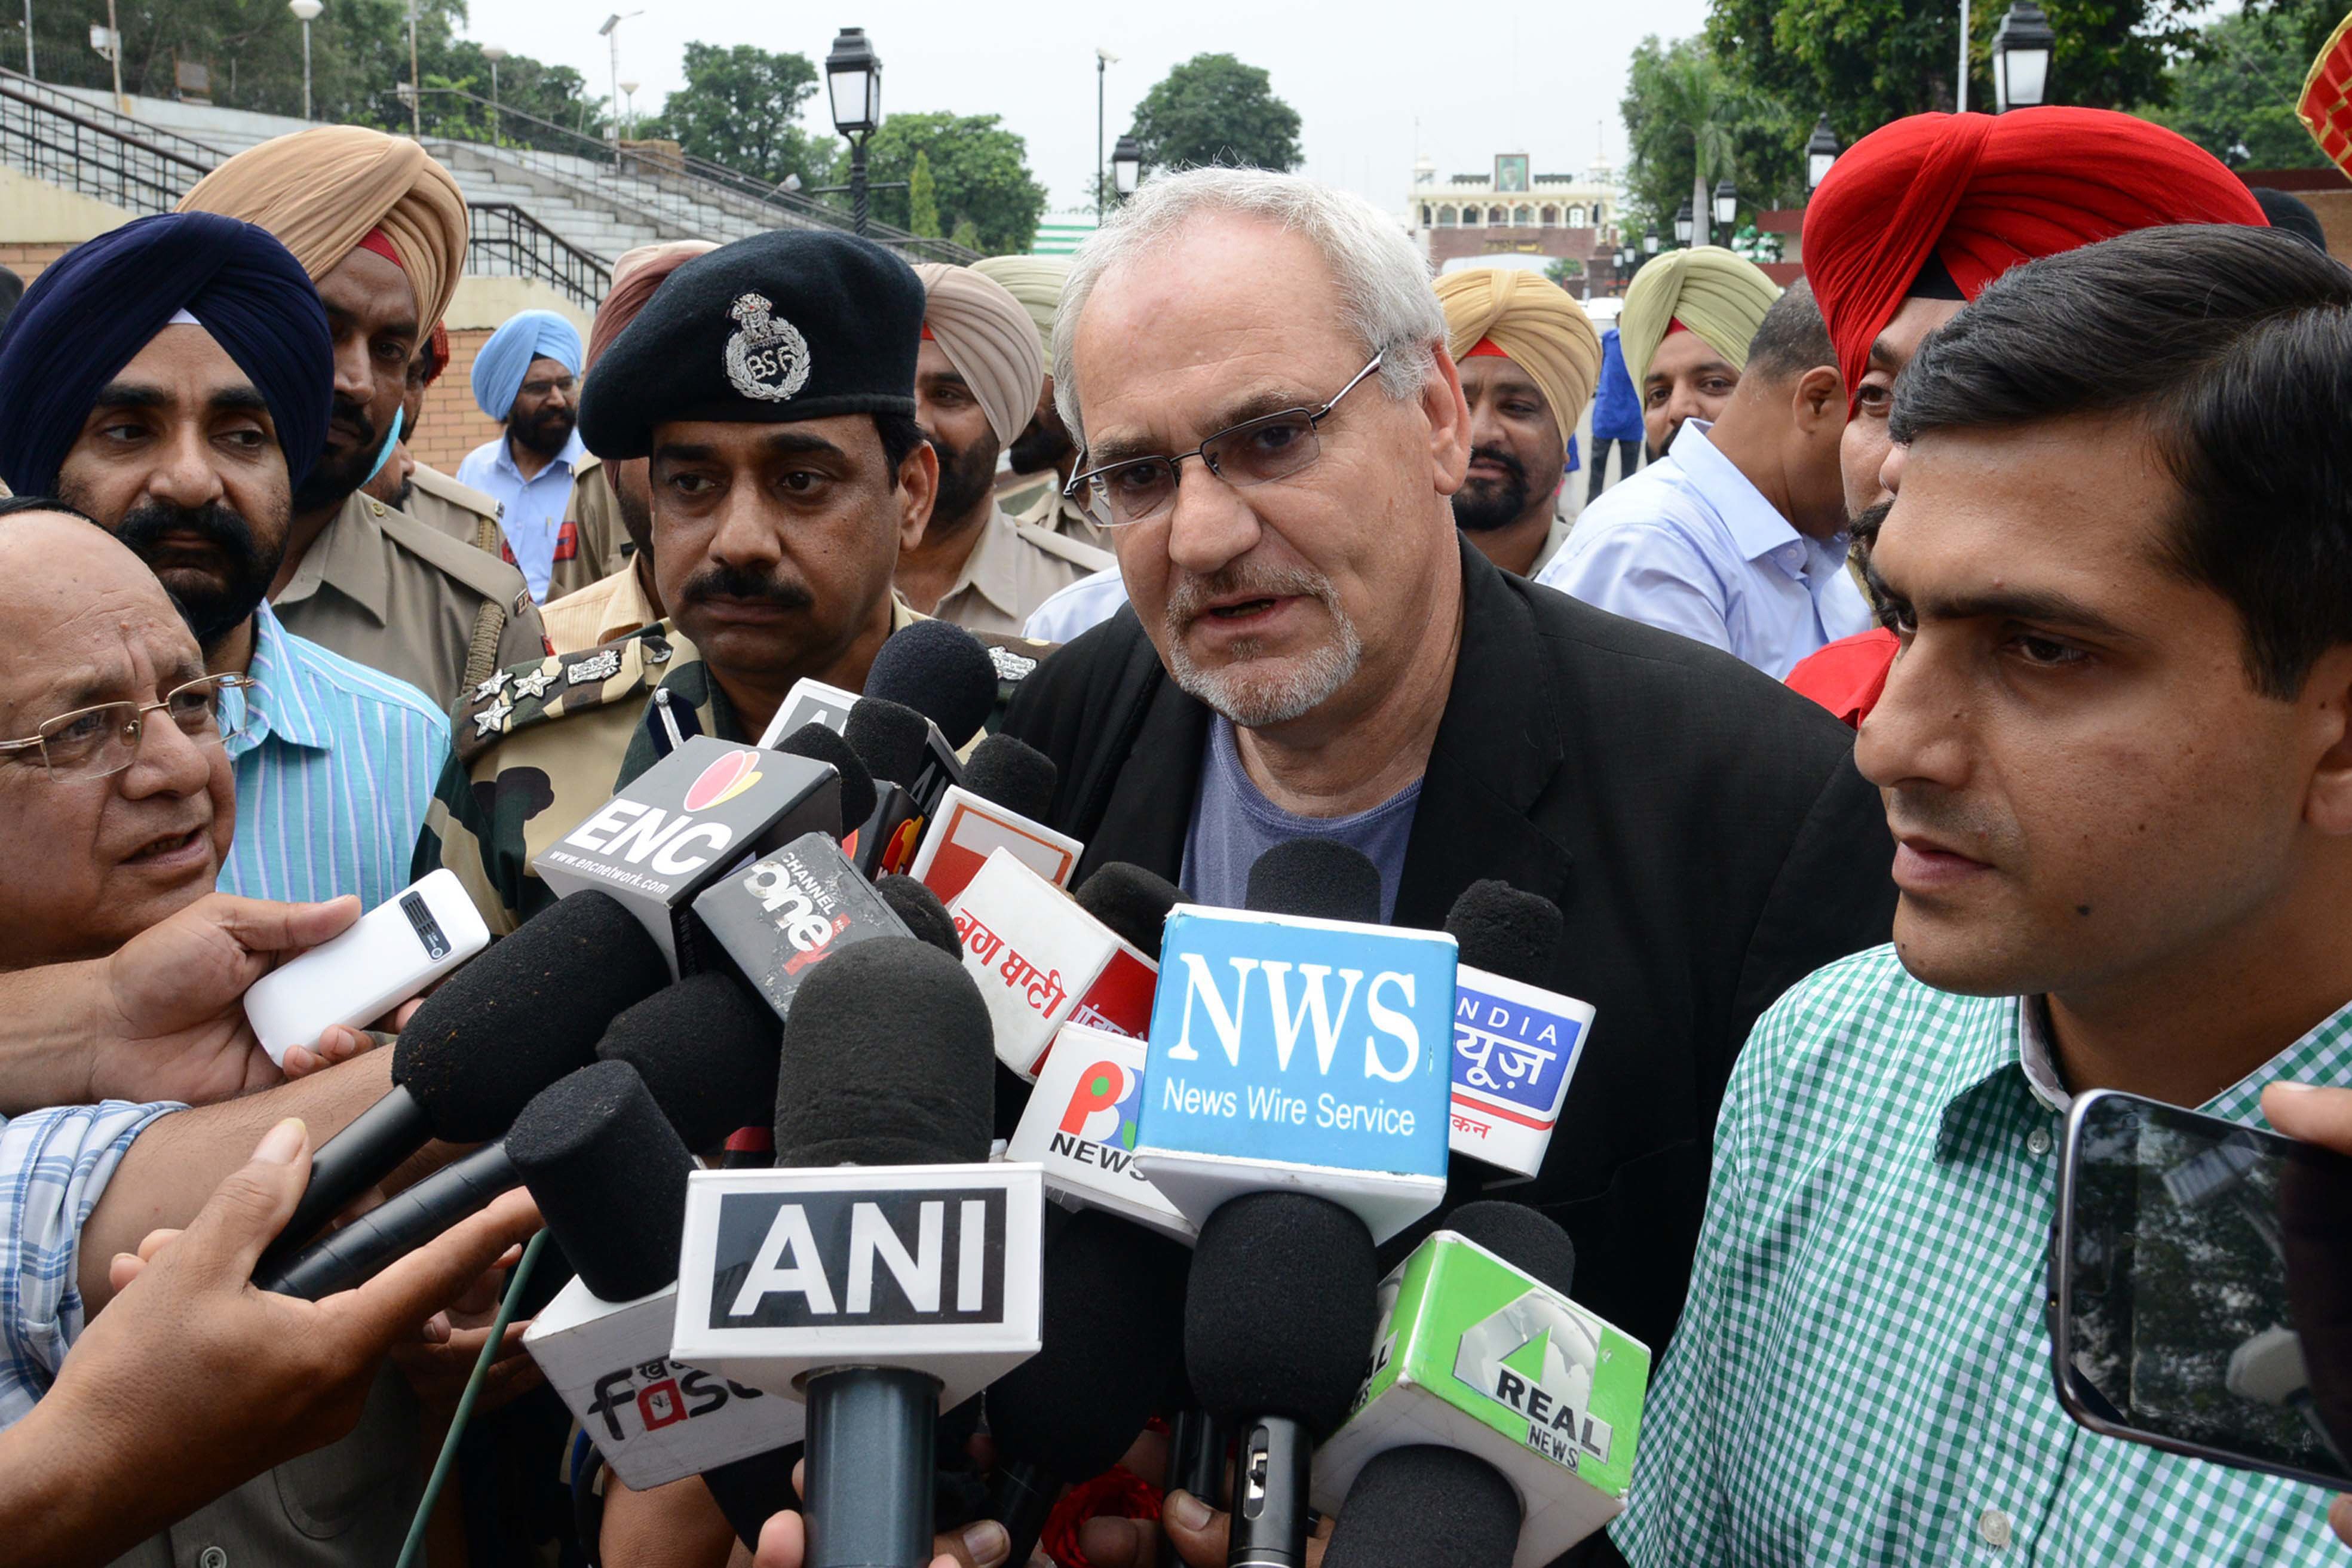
(1528, 355)
(1685, 330)
(977, 380)
(1041, 458)
(380, 229)
(1737, 537)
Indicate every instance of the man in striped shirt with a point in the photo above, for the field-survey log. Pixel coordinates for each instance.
(185, 436)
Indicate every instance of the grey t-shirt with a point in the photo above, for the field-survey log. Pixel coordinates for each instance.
(1233, 823)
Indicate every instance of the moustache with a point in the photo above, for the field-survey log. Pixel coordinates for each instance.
(353, 416)
(729, 582)
(1190, 597)
(1864, 527)
(146, 526)
(1500, 459)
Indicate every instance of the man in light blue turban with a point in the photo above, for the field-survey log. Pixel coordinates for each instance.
(525, 378)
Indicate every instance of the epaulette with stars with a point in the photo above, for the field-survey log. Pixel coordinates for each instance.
(522, 695)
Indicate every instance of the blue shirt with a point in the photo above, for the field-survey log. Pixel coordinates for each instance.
(54, 1167)
(534, 507)
(1688, 545)
(1233, 823)
(1616, 403)
(334, 765)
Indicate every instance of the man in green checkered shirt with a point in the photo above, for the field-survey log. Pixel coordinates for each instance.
(2117, 753)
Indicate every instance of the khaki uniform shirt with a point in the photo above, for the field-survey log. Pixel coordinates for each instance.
(591, 545)
(397, 596)
(1013, 568)
(462, 512)
(1551, 545)
(537, 749)
(610, 607)
(1043, 504)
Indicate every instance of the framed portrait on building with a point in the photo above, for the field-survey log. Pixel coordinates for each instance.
(1510, 173)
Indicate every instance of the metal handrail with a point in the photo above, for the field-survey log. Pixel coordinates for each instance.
(83, 152)
(656, 183)
(131, 128)
(500, 231)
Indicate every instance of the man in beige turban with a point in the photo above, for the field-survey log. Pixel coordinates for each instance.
(380, 229)
(1041, 458)
(1685, 330)
(1528, 355)
(1737, 537)
(978, 377)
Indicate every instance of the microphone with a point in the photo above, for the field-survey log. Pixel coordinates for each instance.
(1515, 1043)
(1036, 954)
(776, 921)
(819, 744)
(876, 1295)
(498, 1031)
(1133, 904)
(701, 1039)
(1078, 1126)
(1487, 1431)
(1113, 1330)
(1279, 1308)
(675, 829)
(895, 742)
(919, 909)
(940, 671)
(1007, 789)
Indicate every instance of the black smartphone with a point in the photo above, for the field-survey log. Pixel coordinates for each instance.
(2200, 1288)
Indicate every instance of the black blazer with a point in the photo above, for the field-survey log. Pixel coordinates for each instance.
(1701, 826)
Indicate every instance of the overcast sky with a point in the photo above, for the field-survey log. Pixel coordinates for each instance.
(1545, 80)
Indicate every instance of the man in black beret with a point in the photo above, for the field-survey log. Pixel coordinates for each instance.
(771, 384)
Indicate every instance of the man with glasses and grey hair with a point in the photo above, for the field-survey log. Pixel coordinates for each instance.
(1255, 370)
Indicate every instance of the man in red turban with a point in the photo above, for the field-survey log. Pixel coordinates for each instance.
(1917, 217)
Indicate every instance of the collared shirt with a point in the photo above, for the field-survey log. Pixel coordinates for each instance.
(335, 764)
(1862, 1374)
(533, 507)
(381, 588)
(1689, 545)
(54, 1167)
(1013, 568)
(612, 606)
(1081, 607)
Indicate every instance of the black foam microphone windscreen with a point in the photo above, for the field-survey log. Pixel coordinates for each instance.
(707, 1049)
(608, 1172)
(524, 1013)
(1504, 932)
(1133, 901)
(940, 671)
(1280, 1309)
(1014, 774)
(890, 1059)
(1415, 1506)
(1321, 879)
(926, 918)
(1531, 1242)
(1114, 1327)
(819, 744)
(891, 738)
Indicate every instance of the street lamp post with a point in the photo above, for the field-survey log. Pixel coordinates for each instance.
(1820, 152)
(611, 32)
(1727, 204)
(307, 12)
(853, 77)
(1103, 60)
(1126, 166)
(494, 53)
(2022, 47)
(1649, 242)
(631, 88)
(416, 82)
(29, 71)
(1683, 219)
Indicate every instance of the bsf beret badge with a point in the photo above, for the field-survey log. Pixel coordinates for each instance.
(766, 359)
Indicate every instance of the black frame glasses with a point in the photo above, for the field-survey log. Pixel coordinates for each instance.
(1229, 455)
(102, 740)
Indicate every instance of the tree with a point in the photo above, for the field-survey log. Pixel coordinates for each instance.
(1563, 268)
(980, 173)
(1688, 123)
(1869, 61)
(923, 198)
(2237, 101)
(740, 108)
(1215, 109)
(968, 236)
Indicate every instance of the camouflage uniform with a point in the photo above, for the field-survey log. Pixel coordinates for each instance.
(540, 746)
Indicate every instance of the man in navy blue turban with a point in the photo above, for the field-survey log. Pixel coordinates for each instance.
(172, 380)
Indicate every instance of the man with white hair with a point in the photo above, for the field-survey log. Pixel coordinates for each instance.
(1272, 430)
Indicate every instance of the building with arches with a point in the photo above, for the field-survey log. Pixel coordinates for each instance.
(1511, 212)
